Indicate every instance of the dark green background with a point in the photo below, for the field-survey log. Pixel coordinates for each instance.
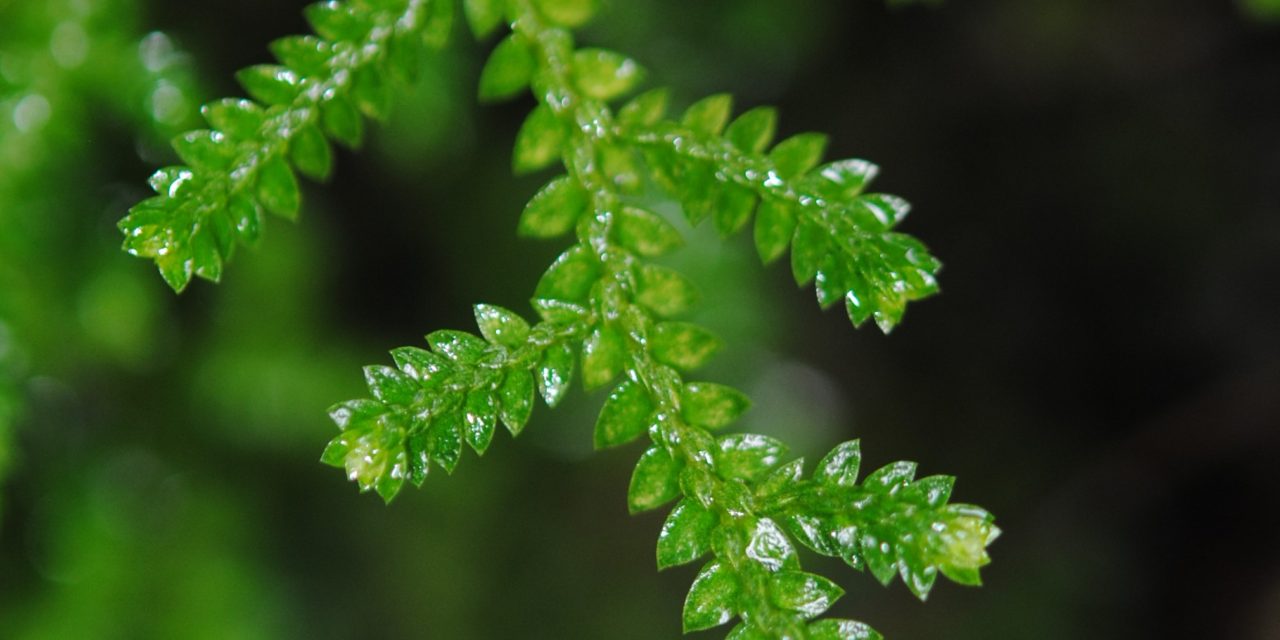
(1102, 371)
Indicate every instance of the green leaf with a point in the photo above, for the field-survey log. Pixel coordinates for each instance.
(238, 118)
(710, 405)
(770, 548)
(664, 291)
(835, 629)
(646, 109)
(342, 121)
(307, 55)
(879, 556)
(371, 93)
(501, 327)
(438, 25)
(560, 312)
(713, 599)
(568, 13)
(655, 481)
(808, 249)
(604, 354)
(796, 155)
(338, 20)
(204, 150)
(483, 16)
(734, 204)
(354, 414)
(775, 225)
(481, 418)
(246, 216)
(508, 70)
(686, 534)
(748, 456)
(604, 75)
(839, 468)
(458, 346)
(420, 364)
(310, 153)
(278, 188)
(516, 400)
(270, 84)
(933, 491)
(889, 477)
(683, 345)
(843, 180)
(752, 131)
(708, 116)
(554, 209)
(805, 593)
(419, 458)
(555, 373)
(538, 142)
(570, 277)
(880, 210)
(444, 440)
(646, 233)
(389, 385)
(625, 415)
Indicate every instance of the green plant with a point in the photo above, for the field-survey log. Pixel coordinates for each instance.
(607, 313)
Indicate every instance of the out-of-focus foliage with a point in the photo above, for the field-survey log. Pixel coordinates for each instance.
(1262, 10)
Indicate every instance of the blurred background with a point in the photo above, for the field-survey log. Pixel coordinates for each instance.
(1102, 371)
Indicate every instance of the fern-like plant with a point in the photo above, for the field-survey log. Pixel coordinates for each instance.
(605, 313)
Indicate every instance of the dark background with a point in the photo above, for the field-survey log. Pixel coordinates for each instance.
(1102, 371)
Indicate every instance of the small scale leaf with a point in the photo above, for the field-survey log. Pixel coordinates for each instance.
(516, 400)
(570, 277)
(775, 225)
(603, 356)
(805, 593)
(686, 534)
(420, 364)
(338, 20)
(879, 556)
(836, 629)
(646, 109)
(808, 249)
(278, 188)
(508, 70)
(501, 326)
(310, 153)
(604, 75)
(458, 346)
(708, 116)
(568, 13)
(710, 405)
(555, 373)
(713, 599)
(843, 180)
(307, 55)
(559, 311)
(888, 478)
(625, 415)
(839, 468)
(771, 548)
(483, 16)
(481, 417)
(238, 118)
(444, 440)
(270, 84)
(538, 142)
(752, 131)
(734, 204)
(748, 456)
(655, 481)
(341, 120)
(554, 209)
(796, 155)
(646, 233)
(205, 150)
(664, 291)
(389, 385)
(683, 345)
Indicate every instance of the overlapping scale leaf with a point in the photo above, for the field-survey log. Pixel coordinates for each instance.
(246, 163)
(890, 523)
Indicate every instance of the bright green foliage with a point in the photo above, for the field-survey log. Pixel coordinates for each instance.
(246, 164)
(605, 308)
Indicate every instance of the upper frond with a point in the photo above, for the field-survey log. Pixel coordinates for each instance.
(246, 163)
